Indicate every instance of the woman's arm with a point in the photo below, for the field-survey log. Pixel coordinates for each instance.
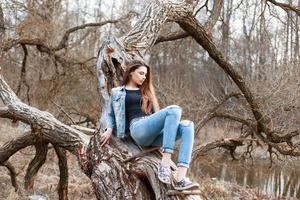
(110, 119)
(105, 136)
(111, 123)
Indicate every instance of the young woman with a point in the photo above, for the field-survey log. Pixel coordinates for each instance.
(133, 108)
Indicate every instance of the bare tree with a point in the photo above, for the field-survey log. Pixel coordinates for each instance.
(122, 160)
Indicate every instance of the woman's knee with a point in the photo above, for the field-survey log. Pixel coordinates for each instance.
(174, 110)
(187, 127)
(187, 123)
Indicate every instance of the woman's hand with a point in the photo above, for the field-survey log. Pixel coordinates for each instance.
(104, 138)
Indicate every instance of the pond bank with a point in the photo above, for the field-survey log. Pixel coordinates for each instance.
(281, 181)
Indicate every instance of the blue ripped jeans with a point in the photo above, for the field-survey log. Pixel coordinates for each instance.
(163, 128)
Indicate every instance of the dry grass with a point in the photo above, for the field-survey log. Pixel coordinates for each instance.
(48, 176)
(221, 190)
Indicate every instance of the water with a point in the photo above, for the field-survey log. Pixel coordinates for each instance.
(282, 179)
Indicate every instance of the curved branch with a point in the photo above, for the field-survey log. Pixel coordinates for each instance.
(4, 113)
(63, 173)
(272, 137)
(52, 129)
(23, 74)
(6, 93)
(227, 143)
(237, 119)
(2, 24)
(14, 42)
(215, 14)
(171, 37)
(145, 32)
(40, 45)
(11, 147)
(280, 138)
(201, 7)
(211, 113)
(63, 43)
(41, 150)
(285, 6)
(198, 32)
(13, 174)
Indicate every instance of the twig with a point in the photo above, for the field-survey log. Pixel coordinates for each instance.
(63, 112)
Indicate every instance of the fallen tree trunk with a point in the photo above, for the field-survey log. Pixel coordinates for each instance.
(135, 178)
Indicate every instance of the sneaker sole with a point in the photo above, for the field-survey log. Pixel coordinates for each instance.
(189, 187)
(164, 181)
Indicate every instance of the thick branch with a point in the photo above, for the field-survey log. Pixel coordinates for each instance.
(13, 174)
(145, 32)
(275, 138)
(212, 20)
(41, 150)
(6, 94)
(171, 37)
(63, 43)
(63, 173)
(235, 118)
(286, 149)
(23, 74)
(52, 130)
(2, 27)
(211, 113)
(11, 147)
(4, 113)
(215, 14)
(198, 32)
(227, 143)
(285, 6)
(25, 41)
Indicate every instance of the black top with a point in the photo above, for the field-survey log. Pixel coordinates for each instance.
(133, 106)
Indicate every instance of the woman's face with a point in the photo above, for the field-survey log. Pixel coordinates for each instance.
(138, 76)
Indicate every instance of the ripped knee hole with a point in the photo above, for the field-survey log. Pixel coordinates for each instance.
(186, 122)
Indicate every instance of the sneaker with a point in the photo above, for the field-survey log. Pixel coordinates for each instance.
(186, 184)
(164, 174)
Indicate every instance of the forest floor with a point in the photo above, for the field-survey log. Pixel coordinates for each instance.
(79, 185)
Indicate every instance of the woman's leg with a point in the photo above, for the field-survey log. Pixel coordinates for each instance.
(185, 134)
(165, 122)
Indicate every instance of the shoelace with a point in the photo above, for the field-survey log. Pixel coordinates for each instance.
(184, 181)
(165, 171)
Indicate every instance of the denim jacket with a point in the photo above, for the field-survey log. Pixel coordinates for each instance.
(116, 111)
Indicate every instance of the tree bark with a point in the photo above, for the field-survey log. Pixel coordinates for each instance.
(137, 177)
(2, 26)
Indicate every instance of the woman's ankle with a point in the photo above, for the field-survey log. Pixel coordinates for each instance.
(181, 173)
(166, 160)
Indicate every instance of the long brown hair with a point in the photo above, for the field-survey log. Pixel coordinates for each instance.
(148, 97)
